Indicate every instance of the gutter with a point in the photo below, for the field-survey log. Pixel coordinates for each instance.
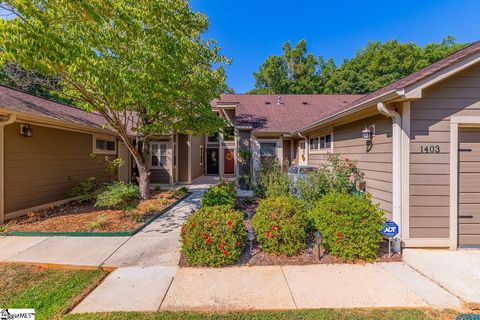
(396, 166)
(11, 119)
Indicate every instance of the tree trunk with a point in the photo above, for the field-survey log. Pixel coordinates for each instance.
(143, 181)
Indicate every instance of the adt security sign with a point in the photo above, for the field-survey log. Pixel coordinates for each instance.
(390, 229)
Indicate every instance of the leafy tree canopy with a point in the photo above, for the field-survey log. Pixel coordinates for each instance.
(141, 64)
(373, 67)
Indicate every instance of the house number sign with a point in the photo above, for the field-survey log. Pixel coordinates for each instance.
(430, 149)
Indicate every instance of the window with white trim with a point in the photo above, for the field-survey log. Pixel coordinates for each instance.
(321, 143)
(104, 145)
(158, 155)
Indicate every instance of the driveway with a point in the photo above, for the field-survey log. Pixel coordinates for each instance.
(458, 272)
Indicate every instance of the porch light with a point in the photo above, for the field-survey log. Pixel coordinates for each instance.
(251, 237)
(318, 241)
(26, 131)
(367, 134)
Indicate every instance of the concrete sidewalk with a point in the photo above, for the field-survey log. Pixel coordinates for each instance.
(297, 287)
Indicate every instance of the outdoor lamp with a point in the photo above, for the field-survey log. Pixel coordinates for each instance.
(251, 237)
(318, 240)
(367, 134)
(27, 131)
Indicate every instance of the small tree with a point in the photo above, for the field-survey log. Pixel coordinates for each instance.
(142, 65)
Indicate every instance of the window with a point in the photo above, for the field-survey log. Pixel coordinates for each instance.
(268, 151)
(229, 134)
(158, 155)
(201, 155)
(321, 143)
(104, 145)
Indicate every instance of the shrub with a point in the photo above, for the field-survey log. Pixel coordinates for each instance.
(118, 195)
(213, 236)
(272, 180)
(339, 174)
(85, 190)
(180, 192)
(280, 225)
(98, 223)
(221, 195)
(350, 225)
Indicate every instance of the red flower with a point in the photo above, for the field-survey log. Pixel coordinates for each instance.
(230, 224)
(220, 247)
(194, 225)
(209, 240)
(238, 243)
(205, 236)
(225, 253)
(267, 234)
(274, 227)
(339, 236)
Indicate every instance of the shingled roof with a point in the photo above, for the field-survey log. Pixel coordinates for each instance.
(282, 113)
(26, 103)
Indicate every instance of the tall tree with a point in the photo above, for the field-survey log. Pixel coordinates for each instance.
(380, 64)
(140, 64)
(295, 71)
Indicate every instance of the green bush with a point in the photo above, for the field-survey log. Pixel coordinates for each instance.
(350, 225)
(339, 174)
(86, 190)
(272, 180)
(280, 225)
(222, 195)
(213, 236)
(118, 195)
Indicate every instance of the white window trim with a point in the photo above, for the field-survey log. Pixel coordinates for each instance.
(321, 151)
(96, 137)
(159, 166)
(202, 155)
(260, 141)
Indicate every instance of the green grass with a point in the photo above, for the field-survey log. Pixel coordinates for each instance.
(321, 314)
(53, 292)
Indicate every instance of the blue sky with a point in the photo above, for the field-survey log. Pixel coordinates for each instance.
(249, 31)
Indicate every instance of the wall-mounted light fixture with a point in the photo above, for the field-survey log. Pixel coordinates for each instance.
(367, 134)
(26, 131)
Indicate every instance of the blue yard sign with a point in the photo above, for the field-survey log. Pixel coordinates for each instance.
(390, 229)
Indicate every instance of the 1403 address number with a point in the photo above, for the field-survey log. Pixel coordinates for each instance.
(430, 149)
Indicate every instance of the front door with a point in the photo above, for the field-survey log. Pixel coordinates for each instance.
(228, 162)
(212, 161)
(302, 157)
(469, 187)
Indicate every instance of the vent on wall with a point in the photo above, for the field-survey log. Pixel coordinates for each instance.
(267, 102)
(304, 102)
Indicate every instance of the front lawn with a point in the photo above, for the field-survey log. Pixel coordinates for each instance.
(51, 292)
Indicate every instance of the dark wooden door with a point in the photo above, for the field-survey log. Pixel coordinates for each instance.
(212, 161)
(229, 162)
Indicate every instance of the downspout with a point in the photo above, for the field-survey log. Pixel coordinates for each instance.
(306, 146)
(3, 124)
(396, 166)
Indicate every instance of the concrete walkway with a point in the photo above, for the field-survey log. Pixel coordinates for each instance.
(458, 271)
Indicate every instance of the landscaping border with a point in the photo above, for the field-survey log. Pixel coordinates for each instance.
(95, 234)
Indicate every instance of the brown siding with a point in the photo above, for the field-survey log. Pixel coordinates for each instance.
(44, 168)
(182, 160)
(197, 168)
(376, 163)
(159, 176)
(430, 126)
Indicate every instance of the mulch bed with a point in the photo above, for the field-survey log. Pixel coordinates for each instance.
(309, 256)
(85, 217)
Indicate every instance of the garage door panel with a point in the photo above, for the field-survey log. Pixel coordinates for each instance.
(469, 187)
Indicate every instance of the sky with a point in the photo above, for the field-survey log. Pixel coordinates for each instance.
(249, 31)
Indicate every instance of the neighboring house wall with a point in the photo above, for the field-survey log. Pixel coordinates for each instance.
(197, 144)
(182, 160)
(376, 163)
(429, 172)
(45, 167)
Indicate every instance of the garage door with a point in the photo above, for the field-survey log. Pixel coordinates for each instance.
(469, 188)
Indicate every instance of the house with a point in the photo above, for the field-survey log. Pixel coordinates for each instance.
(417, 141)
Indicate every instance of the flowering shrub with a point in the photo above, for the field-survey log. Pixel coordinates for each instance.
(280, 225)
(271, 180)
(350, 225)
(223, 194)
(339, 174)
(213, 236)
